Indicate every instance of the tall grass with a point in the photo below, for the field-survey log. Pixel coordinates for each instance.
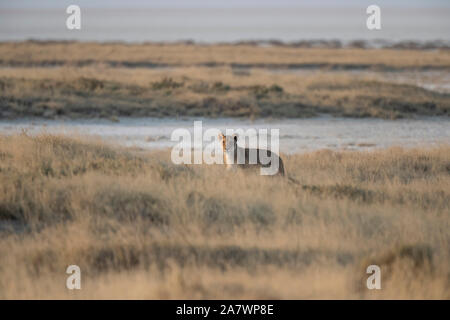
(141, 227)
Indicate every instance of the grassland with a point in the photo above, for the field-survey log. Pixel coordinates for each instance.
(141, 227)
(85, 80)
(154, 55)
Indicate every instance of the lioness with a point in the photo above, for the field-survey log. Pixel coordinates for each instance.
(235, 156)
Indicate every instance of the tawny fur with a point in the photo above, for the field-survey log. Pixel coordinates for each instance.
(230, 148)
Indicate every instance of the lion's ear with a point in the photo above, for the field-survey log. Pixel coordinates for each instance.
(220, 135)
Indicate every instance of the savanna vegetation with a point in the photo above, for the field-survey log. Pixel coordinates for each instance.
(141, 227)
(85, 80)
(32, 53)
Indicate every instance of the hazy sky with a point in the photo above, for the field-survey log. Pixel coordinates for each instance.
(218, 3)
(224, 20)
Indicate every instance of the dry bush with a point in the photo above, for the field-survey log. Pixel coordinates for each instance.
(142, 227)
(68, 92)
(108, 80)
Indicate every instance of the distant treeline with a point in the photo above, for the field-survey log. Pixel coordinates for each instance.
(311, 43)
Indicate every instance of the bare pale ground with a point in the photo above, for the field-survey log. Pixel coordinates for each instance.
(140, 227)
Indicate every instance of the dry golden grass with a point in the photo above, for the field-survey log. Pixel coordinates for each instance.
(141, 227)
(54, 53)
